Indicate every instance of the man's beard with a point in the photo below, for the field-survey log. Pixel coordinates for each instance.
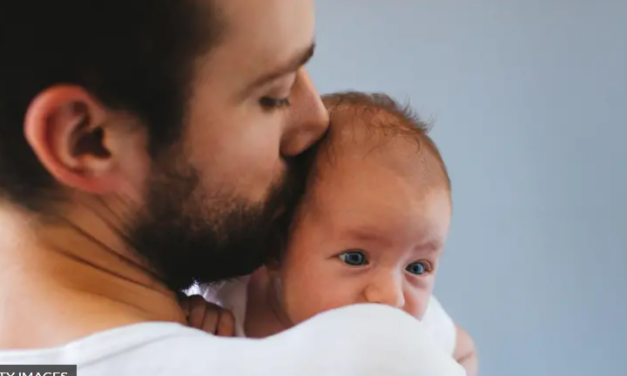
(189, 236)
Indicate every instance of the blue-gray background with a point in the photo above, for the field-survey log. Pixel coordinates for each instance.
(529, 104)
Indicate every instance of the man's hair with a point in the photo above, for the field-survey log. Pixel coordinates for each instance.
(131, 55)
(385, 116)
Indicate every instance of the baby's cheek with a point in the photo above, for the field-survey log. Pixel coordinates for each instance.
(308, 300)
(416, 302)
(298, 299)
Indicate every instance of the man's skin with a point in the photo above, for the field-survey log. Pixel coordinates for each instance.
(69, 278)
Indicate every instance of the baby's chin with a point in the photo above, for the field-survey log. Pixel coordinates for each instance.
(299, 316)
(302, 314)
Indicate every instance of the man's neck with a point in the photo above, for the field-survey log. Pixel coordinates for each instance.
(60, 282)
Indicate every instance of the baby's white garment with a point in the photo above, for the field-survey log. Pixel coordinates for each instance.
(341, 342)
(232, 296)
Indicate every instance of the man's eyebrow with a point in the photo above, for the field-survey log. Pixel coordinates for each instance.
(291, 65)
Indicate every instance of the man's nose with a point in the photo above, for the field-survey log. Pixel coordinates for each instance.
(308, 119)
(386, 290)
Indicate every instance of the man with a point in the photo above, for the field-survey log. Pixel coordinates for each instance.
(148, 144)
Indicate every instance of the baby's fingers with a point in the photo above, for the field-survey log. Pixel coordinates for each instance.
(201, 315)
(226, 324)
(209, 317)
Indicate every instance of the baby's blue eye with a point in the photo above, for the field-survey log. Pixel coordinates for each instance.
(354, 258)
(417, 268)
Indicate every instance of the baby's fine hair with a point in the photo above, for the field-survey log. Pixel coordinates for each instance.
(385, 117)
(378, 113)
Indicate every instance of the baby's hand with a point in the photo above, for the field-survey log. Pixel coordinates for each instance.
(207, 316)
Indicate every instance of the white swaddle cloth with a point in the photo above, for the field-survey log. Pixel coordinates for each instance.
(232, 295)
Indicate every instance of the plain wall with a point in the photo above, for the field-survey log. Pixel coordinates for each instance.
(529, 105)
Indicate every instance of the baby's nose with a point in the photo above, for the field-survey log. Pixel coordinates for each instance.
(388, 291)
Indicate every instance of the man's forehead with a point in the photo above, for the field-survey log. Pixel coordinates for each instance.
(263, 36)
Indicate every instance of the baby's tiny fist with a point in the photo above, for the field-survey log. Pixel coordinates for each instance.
(208, 317)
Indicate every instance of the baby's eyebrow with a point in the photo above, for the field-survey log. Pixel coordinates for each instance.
(369, 235)
(431, 246)
(373, 235)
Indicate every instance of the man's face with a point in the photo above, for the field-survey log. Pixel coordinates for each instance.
(212, 197)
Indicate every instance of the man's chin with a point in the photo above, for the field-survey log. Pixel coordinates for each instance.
(278, 213)
(214, 239)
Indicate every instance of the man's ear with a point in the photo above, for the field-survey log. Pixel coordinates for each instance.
(67, 130)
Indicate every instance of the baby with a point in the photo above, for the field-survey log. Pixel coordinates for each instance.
(370, 229)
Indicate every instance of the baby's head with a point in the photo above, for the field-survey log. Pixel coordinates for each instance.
(374, 220)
